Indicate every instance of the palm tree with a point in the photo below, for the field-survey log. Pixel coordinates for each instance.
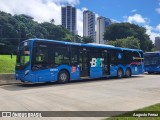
(52, 21)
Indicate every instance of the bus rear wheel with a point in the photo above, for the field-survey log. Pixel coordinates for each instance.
(128, 73)
(119, 73)
(63, 77)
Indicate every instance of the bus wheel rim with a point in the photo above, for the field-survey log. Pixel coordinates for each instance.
(63, 77)
(120, 73)
(127, 73)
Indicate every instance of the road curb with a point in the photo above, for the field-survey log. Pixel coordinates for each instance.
(6, 79)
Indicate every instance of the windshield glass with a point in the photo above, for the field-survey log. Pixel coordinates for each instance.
(151, 59)
(23, 56)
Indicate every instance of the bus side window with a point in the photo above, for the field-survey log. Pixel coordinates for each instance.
(135, 56)
(127, 59)
(74, 56)
(61, 55)
(95, 53)
(41, 57)
(42, 54)
(114, 57)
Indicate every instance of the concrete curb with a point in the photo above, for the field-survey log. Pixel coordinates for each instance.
(7, 76)
(6, 79)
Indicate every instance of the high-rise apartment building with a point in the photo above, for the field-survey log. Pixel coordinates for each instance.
(102, 23)
(68, 18)
(157, 43)
(89, 24)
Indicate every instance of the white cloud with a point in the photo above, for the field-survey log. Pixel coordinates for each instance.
(71, 2)
(140, 20)
(80, 21)
(134, 10)
(84, 9)
(158, 28)
(158, 10)
(136, 18)
(42, 10)
(115, 21)
(151, 33)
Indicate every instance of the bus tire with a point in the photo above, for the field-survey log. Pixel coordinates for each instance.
(63, 77)
(119, 73)
(128, 73)
(150, 72)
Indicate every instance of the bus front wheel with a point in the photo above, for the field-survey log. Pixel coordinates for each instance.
(119, 73)
(63, 76)
(128, 73)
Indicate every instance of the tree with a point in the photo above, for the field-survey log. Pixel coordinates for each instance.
(87, 39)
(52, 21)
(78, 39)
(124, 30)
(15, 29)
(129, 42)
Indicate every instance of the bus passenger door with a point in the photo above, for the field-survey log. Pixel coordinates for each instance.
(84, 63)
(106, 63)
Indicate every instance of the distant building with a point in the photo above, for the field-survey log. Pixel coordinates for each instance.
(68, 18)
(102, 23)
(157, 43)
(89, 24)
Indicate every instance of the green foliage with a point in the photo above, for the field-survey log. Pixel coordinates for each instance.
(87, 39)
(15, 29)
(154, 109)
(7, 65)
(78, 39)
(153, 49)
(129, 42)
(124, 30)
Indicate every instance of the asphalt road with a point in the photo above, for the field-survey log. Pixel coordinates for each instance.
(125, 94)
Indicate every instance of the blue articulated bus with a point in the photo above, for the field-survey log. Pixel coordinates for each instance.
(152, 62)
(41, 60)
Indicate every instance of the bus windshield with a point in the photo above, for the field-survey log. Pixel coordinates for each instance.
(23, 55)
(151, 59)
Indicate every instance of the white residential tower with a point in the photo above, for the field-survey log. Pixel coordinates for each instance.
(89, 24)
(102, 23)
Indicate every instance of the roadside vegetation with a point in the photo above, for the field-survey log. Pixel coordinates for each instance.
(153, 109)
(7, 64)
(128, 35)
(17, 28)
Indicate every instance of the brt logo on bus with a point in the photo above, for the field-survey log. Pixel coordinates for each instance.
(97, 62)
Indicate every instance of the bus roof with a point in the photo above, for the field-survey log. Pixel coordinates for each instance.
(153, 52)
(85, 45)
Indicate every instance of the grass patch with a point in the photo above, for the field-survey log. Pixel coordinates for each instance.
(153, 109)
(7, 65)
